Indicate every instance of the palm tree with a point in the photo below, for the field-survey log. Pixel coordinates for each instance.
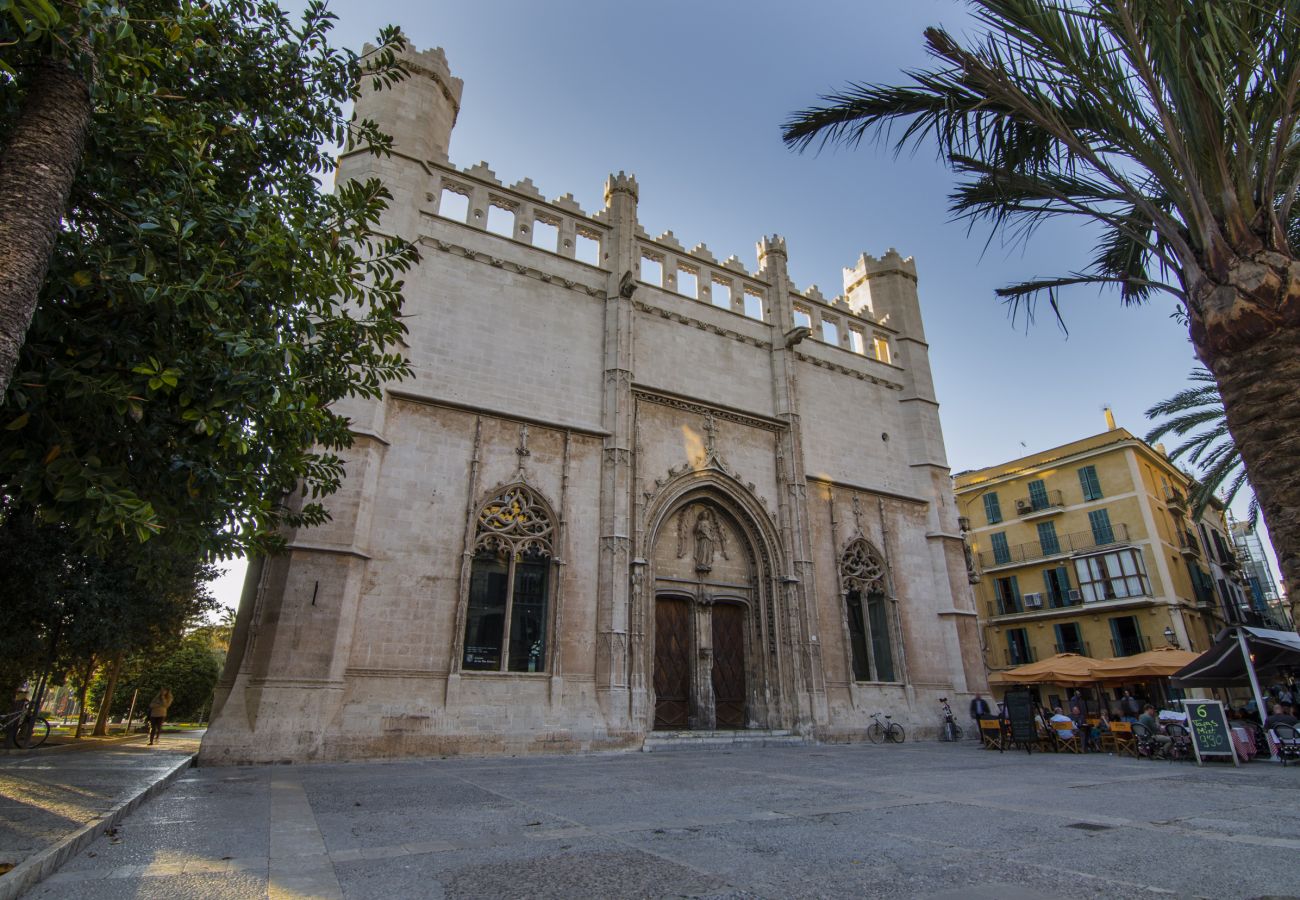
(1171, 124)
(1211, 448)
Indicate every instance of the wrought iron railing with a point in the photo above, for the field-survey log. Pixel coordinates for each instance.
(1026, 506)
(1076, 542)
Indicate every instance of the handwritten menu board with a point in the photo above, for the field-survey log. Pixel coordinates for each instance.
(1209, 729)
(1020, 711)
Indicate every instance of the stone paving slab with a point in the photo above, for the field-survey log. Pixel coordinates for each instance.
(920, 820)
(52, 806)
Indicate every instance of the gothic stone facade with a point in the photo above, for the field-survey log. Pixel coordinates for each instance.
(629, 487)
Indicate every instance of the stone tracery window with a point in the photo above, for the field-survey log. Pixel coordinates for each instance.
(509, 588)
(864, 582)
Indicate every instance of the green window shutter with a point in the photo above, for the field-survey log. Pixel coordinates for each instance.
(1037, 495)
(992, 509)
(1060, 639)
(1047, 538)
(1088, 481)
(1001, 552)
(1102, 533)
(1015, 592)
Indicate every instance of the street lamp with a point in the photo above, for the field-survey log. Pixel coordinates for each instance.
(1170, 637)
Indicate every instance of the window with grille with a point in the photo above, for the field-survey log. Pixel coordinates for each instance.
(506, 617)
(865, 583)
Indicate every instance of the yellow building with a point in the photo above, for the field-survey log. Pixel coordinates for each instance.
(1089, 548)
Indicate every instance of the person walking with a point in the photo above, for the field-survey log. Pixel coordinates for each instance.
(979, 709)
(1129, 708)
(158, 707)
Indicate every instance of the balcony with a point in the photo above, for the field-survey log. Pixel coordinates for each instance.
(1032, 603)
(1068, 544)
(1049, 504)
(1130, 646)
(1188, 545)
(1018, 657)
(1175, 499)
(1083, 648)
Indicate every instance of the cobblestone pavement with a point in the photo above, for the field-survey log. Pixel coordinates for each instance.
(47, 794)
(917, 820)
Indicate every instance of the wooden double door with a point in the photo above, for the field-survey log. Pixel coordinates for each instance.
(685, 696)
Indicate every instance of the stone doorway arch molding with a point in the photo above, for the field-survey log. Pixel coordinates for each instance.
(708, 521)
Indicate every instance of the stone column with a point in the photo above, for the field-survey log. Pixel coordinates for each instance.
(798, 592)
(616, 552)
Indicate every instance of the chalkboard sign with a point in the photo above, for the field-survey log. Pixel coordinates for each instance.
(1020, 712)
(1209, 729)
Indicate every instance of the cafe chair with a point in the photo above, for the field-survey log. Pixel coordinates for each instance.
(1180, 741)
(991, 734)
(1145, 742)
(1068, 737)
(1120, 740)
(1288, 743)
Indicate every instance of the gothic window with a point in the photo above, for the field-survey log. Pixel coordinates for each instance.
(509, 586)
(862, 574)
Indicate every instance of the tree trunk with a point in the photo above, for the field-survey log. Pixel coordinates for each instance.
(1260, 386)
(37, 169)
(101, 721)
(82, 690)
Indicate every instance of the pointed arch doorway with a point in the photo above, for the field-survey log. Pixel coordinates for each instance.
(705, 633)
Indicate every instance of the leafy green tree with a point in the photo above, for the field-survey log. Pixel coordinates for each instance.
(1172, 126)
(205, 302)
(187, 667)
(66, 609)
(1198, 411)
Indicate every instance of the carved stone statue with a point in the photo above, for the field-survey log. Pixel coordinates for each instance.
(708, 536)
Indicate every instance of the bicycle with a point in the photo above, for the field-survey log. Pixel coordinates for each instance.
(25, 728)
(887, 731)
(950, 731)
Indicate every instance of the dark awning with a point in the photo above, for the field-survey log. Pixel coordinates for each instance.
(1222, 665)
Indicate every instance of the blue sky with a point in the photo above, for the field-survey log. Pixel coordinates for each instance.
(690, 97)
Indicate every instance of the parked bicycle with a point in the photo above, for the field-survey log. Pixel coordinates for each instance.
(888, 731)
(24, 727)
(950, 731)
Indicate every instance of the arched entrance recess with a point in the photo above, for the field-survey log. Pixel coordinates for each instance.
(714, 632)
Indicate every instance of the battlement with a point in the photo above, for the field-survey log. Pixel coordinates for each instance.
(477, 198)
(868, 265)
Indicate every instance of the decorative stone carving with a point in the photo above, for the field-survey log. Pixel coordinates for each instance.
(515, 521)
(861, 569)
(709, 538)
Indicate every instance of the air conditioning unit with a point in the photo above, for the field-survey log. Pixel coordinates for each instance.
(1034, 601)
(1024, 506)
(1075, 596)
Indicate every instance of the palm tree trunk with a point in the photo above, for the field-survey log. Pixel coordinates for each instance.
(37, 168)
(110, 688)
(1260, 386)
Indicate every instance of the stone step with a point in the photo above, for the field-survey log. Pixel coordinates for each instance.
(698, 740)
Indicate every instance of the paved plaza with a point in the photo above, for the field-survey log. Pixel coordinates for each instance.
(917, 820)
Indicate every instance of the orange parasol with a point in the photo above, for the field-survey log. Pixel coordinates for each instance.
(1063, 668)
(1158, 663)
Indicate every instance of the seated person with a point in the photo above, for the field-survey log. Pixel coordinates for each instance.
(1060, 718)
(1148, 721)
(1280, 717)
(1091, 736)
